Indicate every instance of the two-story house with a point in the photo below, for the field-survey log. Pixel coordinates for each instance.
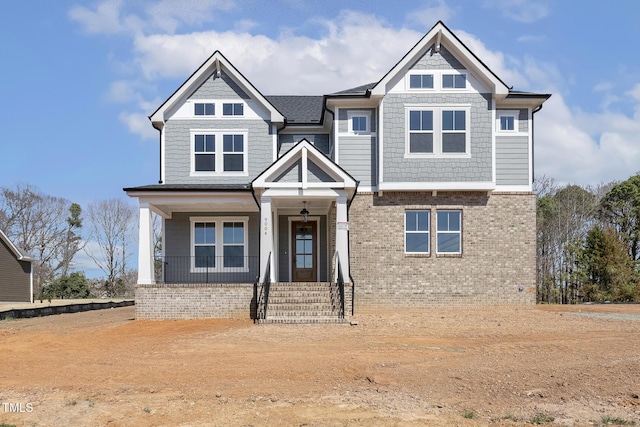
(404, 193)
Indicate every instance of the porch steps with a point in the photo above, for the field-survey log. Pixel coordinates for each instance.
(304, 302)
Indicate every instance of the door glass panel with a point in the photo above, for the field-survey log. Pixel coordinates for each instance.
(304, 247)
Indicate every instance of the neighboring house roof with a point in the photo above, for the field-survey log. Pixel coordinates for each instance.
(360, 90)
(215, 63)
(299, 109)
(19, 253)
(190, 187)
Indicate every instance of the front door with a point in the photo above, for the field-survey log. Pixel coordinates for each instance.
(304, 265)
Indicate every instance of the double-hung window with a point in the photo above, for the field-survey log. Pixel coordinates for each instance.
(420, 131)
(416, 232)
(233, 153)
(438, 130)
(218, 152)
(233, 109)
(204, 152)
(219, 244)
(449, 232)
(454, 131)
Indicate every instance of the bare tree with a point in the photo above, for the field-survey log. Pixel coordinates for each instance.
(46, 227)
(112, 225)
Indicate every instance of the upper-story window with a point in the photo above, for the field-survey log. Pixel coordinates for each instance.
(437, 131)
(233, 109)
(507, 121)
(421, 81)
(219, 152)
(204, 109)
(454, 81)
(359, 122)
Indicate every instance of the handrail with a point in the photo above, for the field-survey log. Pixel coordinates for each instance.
(263, 296)
(339, 279)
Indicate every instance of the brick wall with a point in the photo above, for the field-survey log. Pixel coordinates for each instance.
(195, 301)
(497, 264)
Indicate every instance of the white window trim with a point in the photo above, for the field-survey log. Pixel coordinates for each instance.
(508, 113)
(219, 222)
(358, 113)
(219, 135)
(437, 130)
(433, 74)
(449, 232)
(428, 232)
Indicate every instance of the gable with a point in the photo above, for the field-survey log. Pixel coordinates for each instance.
(304, 166)
(216, 66)
(454, 55)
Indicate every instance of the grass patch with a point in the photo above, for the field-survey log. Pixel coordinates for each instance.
(7, 425)
(469, 415)
(541, 418)
(616, 421)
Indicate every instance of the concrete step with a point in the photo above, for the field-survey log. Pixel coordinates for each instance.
(303, 320)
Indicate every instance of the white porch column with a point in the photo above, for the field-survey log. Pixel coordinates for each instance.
(145, 246)
(342, 236)
(266, 238)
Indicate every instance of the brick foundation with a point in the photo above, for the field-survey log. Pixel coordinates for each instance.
(195, 301)
(497, 265)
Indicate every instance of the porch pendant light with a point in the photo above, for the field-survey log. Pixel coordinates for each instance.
(304, 213)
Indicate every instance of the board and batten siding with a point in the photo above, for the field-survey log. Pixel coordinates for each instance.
(512, 160)
(15, 279)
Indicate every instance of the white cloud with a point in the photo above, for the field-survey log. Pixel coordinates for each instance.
(635, 92)
(436, 10)
(526, 11)
(104, 20)
(139, 124)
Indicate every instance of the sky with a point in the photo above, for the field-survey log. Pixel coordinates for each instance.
(80, 78)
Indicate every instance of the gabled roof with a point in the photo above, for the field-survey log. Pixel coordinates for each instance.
(215, 63)
(20, 254)
(305, 151)
(438, 35)
(299, 109)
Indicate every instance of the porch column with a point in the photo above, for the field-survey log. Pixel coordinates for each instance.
(145, 246)
(266, 238)
(342, 236)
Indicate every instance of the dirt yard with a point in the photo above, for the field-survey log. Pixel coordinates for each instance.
(504, 367)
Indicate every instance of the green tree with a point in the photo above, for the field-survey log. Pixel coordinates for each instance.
(608, 272)
(620, 208)
(74, 285)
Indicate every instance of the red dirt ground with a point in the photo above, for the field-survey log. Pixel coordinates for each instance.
(579, 365)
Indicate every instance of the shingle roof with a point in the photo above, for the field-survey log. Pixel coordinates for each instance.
(299, 109)
(191, 187)
(360, 90)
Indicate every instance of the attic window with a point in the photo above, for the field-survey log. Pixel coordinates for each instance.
(454, 81)
(204, 109)
(421, 81)
(236, 109)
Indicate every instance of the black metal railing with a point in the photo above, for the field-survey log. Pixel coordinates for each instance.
(211, 270)
(263, 291)
(340, 283)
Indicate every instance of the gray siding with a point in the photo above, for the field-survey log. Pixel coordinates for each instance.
(294, 173)
(177, 240)
(219, 88)
(358, 156)
(437, 61)
(523, 119)
(400, 169)
(343, 118)
(15, 279)
(286, 141)
(512, 160)
(178, 149)
(283, 245)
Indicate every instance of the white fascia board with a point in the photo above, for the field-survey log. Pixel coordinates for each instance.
(513, 189)
(293, 129)
(299, 192)
(438, 186)
(356, 102)
(451, 43)
(215, 62)
(521, 102)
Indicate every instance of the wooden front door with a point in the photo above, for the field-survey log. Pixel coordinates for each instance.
(304, 263)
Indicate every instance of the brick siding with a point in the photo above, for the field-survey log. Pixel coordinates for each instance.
(194, 301)
(497, 265)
